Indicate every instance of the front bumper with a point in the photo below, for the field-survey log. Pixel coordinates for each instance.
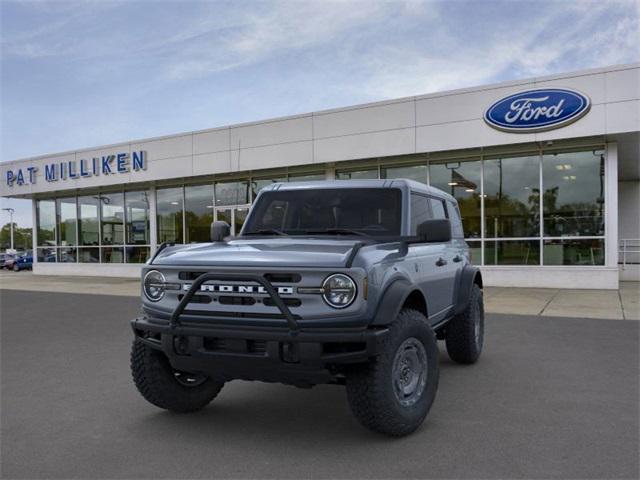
(302, 357)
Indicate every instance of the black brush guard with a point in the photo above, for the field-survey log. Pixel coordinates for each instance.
(174, 321)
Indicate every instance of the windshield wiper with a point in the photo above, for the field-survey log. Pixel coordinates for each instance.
(267, 231)
(338, 231)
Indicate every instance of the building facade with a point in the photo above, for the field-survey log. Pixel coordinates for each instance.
(546, 172)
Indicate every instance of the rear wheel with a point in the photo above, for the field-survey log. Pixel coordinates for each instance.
(166, 387)
(393, 393)
(464, 334)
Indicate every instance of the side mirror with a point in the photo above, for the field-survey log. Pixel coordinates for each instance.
(219, 230)
(435, 231)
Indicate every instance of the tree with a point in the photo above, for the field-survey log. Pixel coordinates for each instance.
(21, 237)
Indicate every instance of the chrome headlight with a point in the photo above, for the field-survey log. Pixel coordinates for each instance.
(338, 290)
(153, 285)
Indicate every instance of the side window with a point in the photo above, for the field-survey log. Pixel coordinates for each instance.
(420, 211)
(456, 221)
(437, 206)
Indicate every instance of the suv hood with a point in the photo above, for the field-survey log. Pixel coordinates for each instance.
(276, 252)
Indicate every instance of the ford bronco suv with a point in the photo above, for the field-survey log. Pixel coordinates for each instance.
(341, 282)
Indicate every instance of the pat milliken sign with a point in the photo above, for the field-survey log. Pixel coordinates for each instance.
(537, 110)
(105, 165)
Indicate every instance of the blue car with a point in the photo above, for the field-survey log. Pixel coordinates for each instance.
(23, 262)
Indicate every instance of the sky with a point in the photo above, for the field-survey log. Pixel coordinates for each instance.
(86, 73)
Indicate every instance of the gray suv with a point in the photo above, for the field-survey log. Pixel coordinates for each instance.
(343, 282)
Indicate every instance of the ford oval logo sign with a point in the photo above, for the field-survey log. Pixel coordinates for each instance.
(537, 110)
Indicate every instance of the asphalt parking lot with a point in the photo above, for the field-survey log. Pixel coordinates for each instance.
(550, 398)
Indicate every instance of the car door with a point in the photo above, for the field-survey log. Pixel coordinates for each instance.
(447, 263)
(425, 258)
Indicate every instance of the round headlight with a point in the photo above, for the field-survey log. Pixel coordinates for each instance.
(153, 285)
(339, 291)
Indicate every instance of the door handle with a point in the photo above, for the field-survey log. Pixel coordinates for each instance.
(441, 262)
(457, 258)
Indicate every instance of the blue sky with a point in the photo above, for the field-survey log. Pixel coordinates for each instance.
(80, 74)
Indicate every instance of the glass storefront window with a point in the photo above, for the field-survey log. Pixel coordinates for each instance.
(512, 197)
(89, 255)
(137, 254)
(67, 255)
(198, 212)
(88, 220)
(412, 172)
(169, 207)
(573, 198)
(462, 181)
(307, 177)
(137, 218)
(46, 218)
(574, 252)
(112, 218)
(366, 174)
(512, 252)
(232, 193)
(47, 254)
(258, 184)
(475, 250)
(112, 255)
(67, 221)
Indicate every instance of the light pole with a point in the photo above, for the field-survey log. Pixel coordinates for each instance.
(11, 212)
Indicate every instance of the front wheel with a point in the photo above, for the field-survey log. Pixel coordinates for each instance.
(16, 268)
(166, 387)
(394, 393)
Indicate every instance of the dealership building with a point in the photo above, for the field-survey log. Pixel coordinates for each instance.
(546, 172)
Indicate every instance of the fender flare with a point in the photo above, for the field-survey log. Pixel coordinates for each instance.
(392, 300)
(470, 275)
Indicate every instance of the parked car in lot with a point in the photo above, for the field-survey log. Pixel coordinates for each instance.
(346, 282)
(23, 262)
(7, 260)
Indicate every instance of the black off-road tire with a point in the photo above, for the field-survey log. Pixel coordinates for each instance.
(16, 268)
(371, 389)
(156, 380)
(464, 334)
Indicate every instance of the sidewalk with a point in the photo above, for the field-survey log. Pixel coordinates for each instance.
(623, 304)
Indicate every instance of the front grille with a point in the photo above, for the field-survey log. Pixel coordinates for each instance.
(219, 314)
(272, 277)
(197, 298)
(229, 300)
(253, 347)
(289, 302)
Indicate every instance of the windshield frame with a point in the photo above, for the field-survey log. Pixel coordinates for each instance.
(333, 232)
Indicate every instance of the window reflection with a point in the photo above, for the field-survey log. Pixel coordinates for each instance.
(512, 197)
(412, 172)
(137, 218)
(366, 174)
(232, 193)
(512, 252)
(67, 212)
(112, 206)
(46, 220)
(88, 220)
(258, 184)
(574, 252)
(169, 207)
(307, 177)
(573, 198)
(198, 212)
(462, 181)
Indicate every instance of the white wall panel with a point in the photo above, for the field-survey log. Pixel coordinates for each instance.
(210, 163)
(211, 141)
(167, 168)
(593, 123)
(623, 116)
(592, 85)
(379, 144)
(623, 85)
(461, 107)
(366, 119)
(166, 147)
(271, 133)
(299, 153)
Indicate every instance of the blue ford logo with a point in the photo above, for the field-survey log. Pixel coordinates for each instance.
(537, 110)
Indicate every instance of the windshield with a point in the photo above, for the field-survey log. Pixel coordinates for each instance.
(336, 211)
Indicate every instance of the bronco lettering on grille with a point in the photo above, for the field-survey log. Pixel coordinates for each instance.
(249, 289)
